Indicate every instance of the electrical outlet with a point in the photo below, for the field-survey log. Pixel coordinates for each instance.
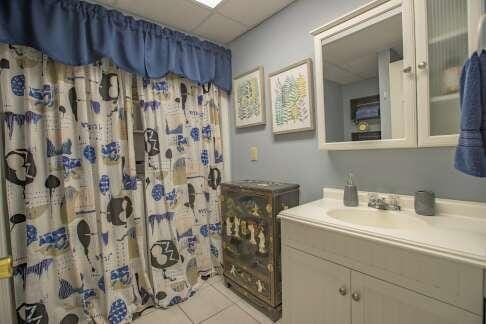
(253, 153)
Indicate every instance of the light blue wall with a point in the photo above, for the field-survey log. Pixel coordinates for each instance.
(285, 39)
(334, 115)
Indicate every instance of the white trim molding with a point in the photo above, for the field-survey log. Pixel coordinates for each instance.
(359, 19)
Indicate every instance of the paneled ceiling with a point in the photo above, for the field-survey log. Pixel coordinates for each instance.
(354, 57)
(228, 20)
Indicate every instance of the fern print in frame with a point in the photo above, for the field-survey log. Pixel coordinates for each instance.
(291, 98)
(249, 102)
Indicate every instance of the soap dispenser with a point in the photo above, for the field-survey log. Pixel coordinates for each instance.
(350, 198)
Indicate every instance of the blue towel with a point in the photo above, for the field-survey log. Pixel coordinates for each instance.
(471, 151)
(482, 58)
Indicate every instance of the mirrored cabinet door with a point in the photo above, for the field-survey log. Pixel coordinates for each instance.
(446, 34)
(365, 79)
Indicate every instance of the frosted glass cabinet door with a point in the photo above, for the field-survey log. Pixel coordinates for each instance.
(446, 34)
(315, 291)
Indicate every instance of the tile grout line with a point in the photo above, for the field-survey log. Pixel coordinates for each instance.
(220, 311)
(256, 320)
(236, 303)
(182, 310)
(230, 305)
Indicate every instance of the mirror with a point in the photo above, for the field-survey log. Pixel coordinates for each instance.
(363, 88)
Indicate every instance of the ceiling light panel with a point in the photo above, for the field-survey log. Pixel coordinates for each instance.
(209, 3)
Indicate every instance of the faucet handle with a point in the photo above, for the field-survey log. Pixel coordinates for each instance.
(372, 199)
(395, 201)
(372, 196)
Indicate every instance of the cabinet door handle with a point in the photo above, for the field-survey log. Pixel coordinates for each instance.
(422, 65)
(356, 296)
(343, 291)
(408, 69)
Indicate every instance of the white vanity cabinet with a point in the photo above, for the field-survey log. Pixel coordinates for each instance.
(315, 290)
(400, 87)
(331, 277)
(379, 302)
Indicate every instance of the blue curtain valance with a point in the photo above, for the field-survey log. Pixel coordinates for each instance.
(78, 33)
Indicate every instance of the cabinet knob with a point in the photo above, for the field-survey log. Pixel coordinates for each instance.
(356, 296)
(408, 69)
(422, 65)
(343, 291)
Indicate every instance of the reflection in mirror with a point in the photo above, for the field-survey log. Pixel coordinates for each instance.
(363, 83)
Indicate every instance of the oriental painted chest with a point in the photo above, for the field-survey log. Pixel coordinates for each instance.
(251, 240)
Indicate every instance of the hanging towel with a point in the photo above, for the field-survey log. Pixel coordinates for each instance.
(482, 59)
(471, 152)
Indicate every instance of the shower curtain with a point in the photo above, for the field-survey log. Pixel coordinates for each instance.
(183, 171)
(76, 221)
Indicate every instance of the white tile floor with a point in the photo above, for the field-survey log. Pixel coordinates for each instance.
(212, 304)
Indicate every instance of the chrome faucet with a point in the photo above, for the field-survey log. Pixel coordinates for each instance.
(383, 203)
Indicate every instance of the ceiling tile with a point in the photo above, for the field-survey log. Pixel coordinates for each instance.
(251, 12)
(180, 14)
(220, 29)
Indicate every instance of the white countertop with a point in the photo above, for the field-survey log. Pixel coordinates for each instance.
(461, 237)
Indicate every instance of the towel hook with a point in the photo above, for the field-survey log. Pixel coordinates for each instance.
(482, 22)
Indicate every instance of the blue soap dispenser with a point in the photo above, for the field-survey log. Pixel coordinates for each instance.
(350, 198)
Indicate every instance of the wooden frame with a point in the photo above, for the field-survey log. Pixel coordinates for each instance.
(310, 93)
(262, 120)
(425, 139)
(359, 19)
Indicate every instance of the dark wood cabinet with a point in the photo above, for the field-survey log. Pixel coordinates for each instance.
(251, 240)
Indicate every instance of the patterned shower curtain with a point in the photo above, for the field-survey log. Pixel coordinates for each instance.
(76, 217)
(183, 170)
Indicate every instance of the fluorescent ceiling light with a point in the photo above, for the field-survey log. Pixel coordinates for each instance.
(209, 3)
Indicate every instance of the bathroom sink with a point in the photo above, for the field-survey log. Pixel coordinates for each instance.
(377, 218)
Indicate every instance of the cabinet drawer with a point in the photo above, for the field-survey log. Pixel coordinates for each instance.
(449, 281)
(254, 281)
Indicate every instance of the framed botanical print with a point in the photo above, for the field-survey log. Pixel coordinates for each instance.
(249, 98)
(291, 98)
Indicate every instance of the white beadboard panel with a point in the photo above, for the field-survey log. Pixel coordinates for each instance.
(219, 28)
(384, 303)
(180, 14)
(450, 281)
(311, 289)
(251, 12)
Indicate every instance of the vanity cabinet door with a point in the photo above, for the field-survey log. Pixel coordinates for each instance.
(446, 34)
(378, 302)
(314, 291)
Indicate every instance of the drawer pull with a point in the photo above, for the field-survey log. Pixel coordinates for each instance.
(343, 291)
(422, 65)
(356, 296)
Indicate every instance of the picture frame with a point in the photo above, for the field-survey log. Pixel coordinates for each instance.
(249, 98)
(292, 98)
